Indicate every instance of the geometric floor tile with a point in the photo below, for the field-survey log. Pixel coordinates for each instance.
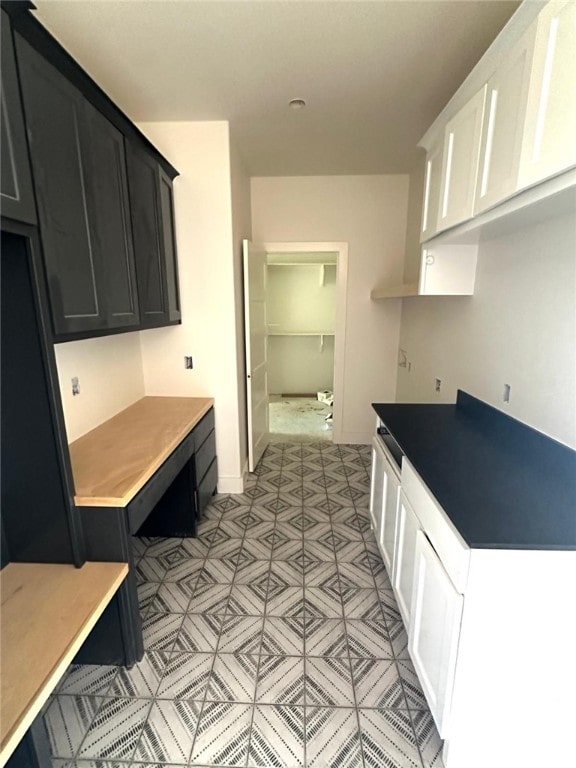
(169, 732)
(277, 737)
(85, 679)
(186, 676)
(143, 679)
(116, 730)
(160, 630)
(325, 637)
(412, 688)
(280, 680)
(428, 739)
(67, 720)
(241, 634)
(283, 636)
(377, 683)
(233, 678)
(223, 735)
(368, 639)
(361, 604)
(388, 738)
(329, 682)
(332, 738)
(199, 632)
(273, 638)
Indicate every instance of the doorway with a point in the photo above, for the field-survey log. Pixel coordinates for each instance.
(305, 308)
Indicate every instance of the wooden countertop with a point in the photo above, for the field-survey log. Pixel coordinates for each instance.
(114, 461)
(47, 613)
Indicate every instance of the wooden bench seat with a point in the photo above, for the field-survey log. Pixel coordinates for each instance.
(47, 612)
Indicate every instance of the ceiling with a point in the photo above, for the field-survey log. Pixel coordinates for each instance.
(374, 75)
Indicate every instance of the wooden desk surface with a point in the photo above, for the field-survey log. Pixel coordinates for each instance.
(47, 613)
(114, 461)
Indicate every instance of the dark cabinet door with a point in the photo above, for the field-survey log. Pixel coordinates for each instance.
(16, 192)
(55, 121)
(153, 229)
(107, 190)
(79, 173)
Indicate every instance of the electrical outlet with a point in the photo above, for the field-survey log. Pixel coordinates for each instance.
(75, 385)
(188, 363)
(437, 385)
(506, 393)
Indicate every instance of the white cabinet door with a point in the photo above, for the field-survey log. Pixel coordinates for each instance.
(432, 182)
(460, 163)
(387, 536)
(434, 630)
(384, 493)
(377, 486)
(503, 128)
(549, 145)
(407, 527)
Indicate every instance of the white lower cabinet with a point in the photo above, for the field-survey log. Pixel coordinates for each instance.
(384, 502)
(434, 630)
(407, 528)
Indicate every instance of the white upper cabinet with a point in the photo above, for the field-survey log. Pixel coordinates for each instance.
(432, 182)
(502, 132)
(549, 145)
(460, 163)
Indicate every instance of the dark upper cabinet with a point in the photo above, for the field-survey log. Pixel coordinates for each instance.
(16, 192)
(153, 228)
(108, 201)
(79, 175)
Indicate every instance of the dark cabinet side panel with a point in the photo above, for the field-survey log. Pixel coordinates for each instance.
(169, 243)
(107, 189)
(37, 518)
(55, 121)
(16, 192)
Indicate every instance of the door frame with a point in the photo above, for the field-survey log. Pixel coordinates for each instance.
(341, 249)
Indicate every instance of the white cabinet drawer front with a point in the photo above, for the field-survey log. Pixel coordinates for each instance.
(434, 631)
(451, 548)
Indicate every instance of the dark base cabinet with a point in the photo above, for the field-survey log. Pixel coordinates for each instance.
(169, 505)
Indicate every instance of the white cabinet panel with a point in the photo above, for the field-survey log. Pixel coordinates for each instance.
(460, 163)
(503, 128)
(377, 486)
(431, 200)
(549, 145)
(384, 495)
(387, 534)
(403, 575)
(434, 630)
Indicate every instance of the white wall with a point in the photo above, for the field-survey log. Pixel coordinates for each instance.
(298, 300)
(519, 328)
(241, 230)
(203, 211)
(368, 212)
(109, 370)
(297, 365)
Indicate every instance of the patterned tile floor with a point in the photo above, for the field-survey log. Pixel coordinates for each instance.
(273, 639)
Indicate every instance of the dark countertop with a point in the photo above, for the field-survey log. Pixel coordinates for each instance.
(503, 484)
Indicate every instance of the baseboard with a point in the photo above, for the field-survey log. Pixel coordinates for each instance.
(231, 484)
(352, 438)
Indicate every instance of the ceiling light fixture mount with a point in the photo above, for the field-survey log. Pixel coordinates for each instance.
(297, 104)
